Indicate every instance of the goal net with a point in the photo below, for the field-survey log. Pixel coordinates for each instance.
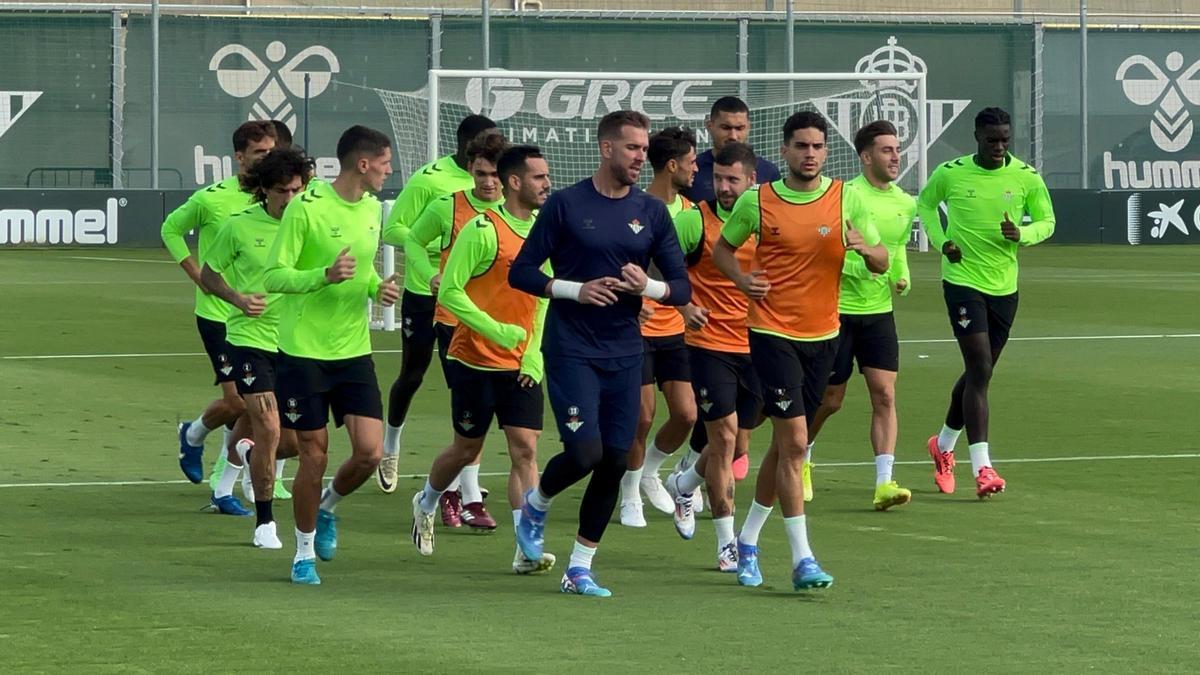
(558, 111)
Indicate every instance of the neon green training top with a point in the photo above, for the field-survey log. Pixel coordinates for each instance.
(442, 176)
(321, 320)
(205, 211)
(746, 220)
(430, 234)
(976, 200)
(689, 227)
(239, 253)
(473, 253)
(891, 213)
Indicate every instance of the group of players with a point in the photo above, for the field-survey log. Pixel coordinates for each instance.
(742, 295)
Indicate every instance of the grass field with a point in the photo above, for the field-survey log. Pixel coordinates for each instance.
(1087, 563)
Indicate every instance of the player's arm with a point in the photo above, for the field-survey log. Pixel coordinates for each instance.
(667, 255)
(899, 274)
(860, 234)
(531, 362)
(408, 206)
(189, 216)
(281, 275)
(932, 195)
(221, 255)
(1041, 212)
(473, 252)
(428, 228)
(526, 274)
(743, 223)
(689, 229)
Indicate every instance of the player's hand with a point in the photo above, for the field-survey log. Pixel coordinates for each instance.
(526, 381)
(754, 284)
(854, 239)
(343, 268)
(952, 252)
(599, 292)
(252, 305)
(633, 279)
(694, 317)
(901, 285)
(389, 291)
(435, 282)
(510, 335)
(645, 313)
(1009, 229)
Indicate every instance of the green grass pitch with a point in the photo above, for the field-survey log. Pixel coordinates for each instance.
(1087, 563)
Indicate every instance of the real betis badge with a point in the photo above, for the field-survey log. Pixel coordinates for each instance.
(635, 225)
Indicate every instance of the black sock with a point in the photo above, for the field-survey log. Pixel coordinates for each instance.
(263, 511)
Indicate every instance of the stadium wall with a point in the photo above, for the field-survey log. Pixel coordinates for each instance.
(132, 218)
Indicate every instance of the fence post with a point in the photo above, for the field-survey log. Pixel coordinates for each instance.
(154, 94)
(1083, 95)
(1038, 94)
(117, 112)
(791, 49)
(743, 55)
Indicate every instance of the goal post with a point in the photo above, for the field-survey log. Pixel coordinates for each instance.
(558, 111)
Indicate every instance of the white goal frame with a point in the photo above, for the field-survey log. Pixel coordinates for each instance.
(436, 75)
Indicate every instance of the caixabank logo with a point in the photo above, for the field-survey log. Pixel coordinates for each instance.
(1162, 218)
(1170, 94)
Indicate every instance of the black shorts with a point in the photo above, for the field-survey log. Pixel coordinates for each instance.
(973, 311)
(726, 383)
(479, 395)
(416, 319)
(793, 373)
(254, 369)
(868, 339)
(308, 388)
(665, 359)
(443, 334)
(212, 334)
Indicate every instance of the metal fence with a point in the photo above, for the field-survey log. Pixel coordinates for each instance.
(127, 96)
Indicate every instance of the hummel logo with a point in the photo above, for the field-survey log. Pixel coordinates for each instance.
(636, 226)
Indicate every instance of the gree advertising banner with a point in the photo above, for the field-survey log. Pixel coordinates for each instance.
(218, 72)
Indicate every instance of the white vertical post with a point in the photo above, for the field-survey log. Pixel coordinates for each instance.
(923, 155)
(791, 49)
(389, 268)
(154, 94)
(1037, 96)
(486, 11)
(117, 121)
(1083, 95)
(743, 55)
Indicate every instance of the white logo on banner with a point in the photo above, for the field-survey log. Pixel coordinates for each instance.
(272, 83)
(892, 100)
(1163, 220)
(566, 98)
(1171, 126)
(13, 104)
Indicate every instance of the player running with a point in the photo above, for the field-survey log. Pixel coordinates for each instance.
(672, 155)
(439, 225)
(204, 212)
(868, 326)
(804, 225)
(324, 337)
(441, 177)
(987, 195)
(496, 348)
(727, 389)
(239, 252)
(728, 122)
(599, 236)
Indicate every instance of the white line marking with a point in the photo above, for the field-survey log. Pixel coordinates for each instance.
(107, 282)
(136, 260)
(1045, 338)
(497, 474)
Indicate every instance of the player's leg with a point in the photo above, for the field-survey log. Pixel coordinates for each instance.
(1001, 312)
(843, 368)
(878, 354)
(967, 310)
(631, 491)
(463, 450)
(417, 340)
(521, 414)
(219, 413)
(313, 446)
(465, 489)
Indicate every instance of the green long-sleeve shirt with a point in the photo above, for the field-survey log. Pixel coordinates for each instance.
(891, 214)
(321, 320)
(430, 234)
(976, 200)
(440, 177)
(205, 211)
(239, 253)
(473, 253)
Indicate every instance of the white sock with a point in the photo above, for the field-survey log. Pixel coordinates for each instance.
(455, 484)
(582, 556)
(197, 432)
(516, 518)
(540, 501)
(429, 498)
(724, 527)
(654, 459)
(689, 480)
(330, 499)
(797, 533)
(808, 452)
(631, 486)
(279, 463)
(391, 439)
(226, 434)
(229, 476)
(304, 545)
(883, 468)
(243, 448)
(692, 457)
(979, 456)
(469, 477)
(947, 437)
(754, 523)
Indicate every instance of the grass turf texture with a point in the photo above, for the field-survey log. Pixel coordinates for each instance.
(1084, 565)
